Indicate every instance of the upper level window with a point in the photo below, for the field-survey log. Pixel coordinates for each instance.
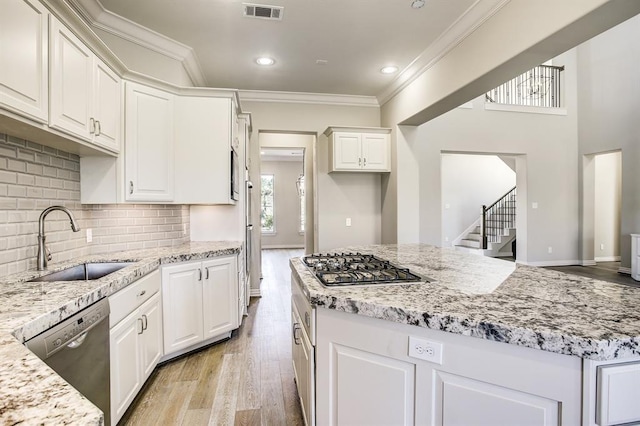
(538, 87)
(267, 213)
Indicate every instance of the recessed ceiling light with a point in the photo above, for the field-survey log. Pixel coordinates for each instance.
(389, 70)
(417, 4)
(265, 61)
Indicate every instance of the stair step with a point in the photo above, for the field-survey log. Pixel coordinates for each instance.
(474, 236)
(470, 243)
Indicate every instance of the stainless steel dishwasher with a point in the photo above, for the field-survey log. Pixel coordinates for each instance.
(78, 350)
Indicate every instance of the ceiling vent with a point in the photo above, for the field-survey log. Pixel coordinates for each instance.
(262, 11)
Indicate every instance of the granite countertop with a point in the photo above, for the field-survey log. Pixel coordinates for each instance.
(493, 299)
(32, 393)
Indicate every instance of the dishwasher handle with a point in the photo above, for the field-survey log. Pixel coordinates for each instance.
(79, 341)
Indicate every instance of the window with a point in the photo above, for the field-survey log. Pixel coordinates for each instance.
(267, 217)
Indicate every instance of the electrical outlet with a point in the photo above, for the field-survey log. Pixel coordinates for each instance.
(601, 247)
(425, 349)
(550, 249)
(446, 239)
(534, 205)
(348, 221)
(89, 233)
(447, 206)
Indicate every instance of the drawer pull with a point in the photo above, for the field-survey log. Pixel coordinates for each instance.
(141, 326)
(296, 328)
(142, 293)
(144, 322)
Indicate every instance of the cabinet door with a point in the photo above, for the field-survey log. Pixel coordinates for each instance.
(151, 338)
(346, 151)
(107, 106)
(303, 367)
(465, 401)
(71, 81)
(182, 306)
(125, 364)
(202, 155)
(220, 296)
(24, 73)
(148, 144)
(369, 389)
(375, 152)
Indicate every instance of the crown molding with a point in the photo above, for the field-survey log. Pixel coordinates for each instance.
(98, 17)
(308, 98)
(464, 26)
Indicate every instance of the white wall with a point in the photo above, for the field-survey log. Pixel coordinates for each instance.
(286, 204)
(357, 196)
(468, 183)
(608, 192)
(546, 144)
(145, 61)
(609, 101)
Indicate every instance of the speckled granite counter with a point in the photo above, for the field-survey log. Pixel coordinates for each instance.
(30, 392)
(495, 300)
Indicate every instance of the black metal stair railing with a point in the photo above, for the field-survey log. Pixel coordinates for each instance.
(497, 217)
(540, 87)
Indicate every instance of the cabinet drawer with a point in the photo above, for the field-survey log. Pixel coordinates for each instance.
(128, 299)
(618, 391)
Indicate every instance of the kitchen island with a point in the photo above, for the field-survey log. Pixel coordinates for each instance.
(541, 330)
(32, 393)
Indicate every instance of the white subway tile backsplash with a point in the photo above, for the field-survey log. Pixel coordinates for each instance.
(34, 177)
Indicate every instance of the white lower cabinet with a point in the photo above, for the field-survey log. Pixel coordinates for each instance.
(364, 375)
(303, 355)
(135, 339)
(200, 302)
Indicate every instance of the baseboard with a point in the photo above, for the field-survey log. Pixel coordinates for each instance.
(255, 292)
(624, 270)
(608, 259)
(553, 263)
(588, 263)
(282, 246)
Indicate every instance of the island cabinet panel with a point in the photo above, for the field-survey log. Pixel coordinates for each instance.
(618, 394)
(24, 58)
(363, 362)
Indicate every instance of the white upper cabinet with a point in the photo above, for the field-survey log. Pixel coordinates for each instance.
(353, 149)
(148, 144)
(203, 150)
(24, 58)
(85, 93)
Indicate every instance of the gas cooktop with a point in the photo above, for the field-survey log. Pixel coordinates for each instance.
(349, 269)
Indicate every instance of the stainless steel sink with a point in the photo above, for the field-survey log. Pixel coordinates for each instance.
(84, 272)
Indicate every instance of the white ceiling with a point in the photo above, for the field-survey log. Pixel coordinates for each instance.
(356, 38)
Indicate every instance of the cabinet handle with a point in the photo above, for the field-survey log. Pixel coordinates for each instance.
(365, 163)
(199, 274)
(92, 125)
(207, 275)
(130, 187)
(141, 326)
(98, 128)
(296, 328)
(144, 322)
(142, 293)
(359, 162)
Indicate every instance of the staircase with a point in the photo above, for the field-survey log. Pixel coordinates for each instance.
(494, 231)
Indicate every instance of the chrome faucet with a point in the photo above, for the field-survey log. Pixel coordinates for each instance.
(42, 256)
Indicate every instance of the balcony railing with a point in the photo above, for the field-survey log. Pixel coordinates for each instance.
(538, 87)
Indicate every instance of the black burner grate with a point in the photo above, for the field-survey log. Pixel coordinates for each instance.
(344, 269)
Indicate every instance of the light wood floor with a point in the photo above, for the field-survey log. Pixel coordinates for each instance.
(247, 380)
